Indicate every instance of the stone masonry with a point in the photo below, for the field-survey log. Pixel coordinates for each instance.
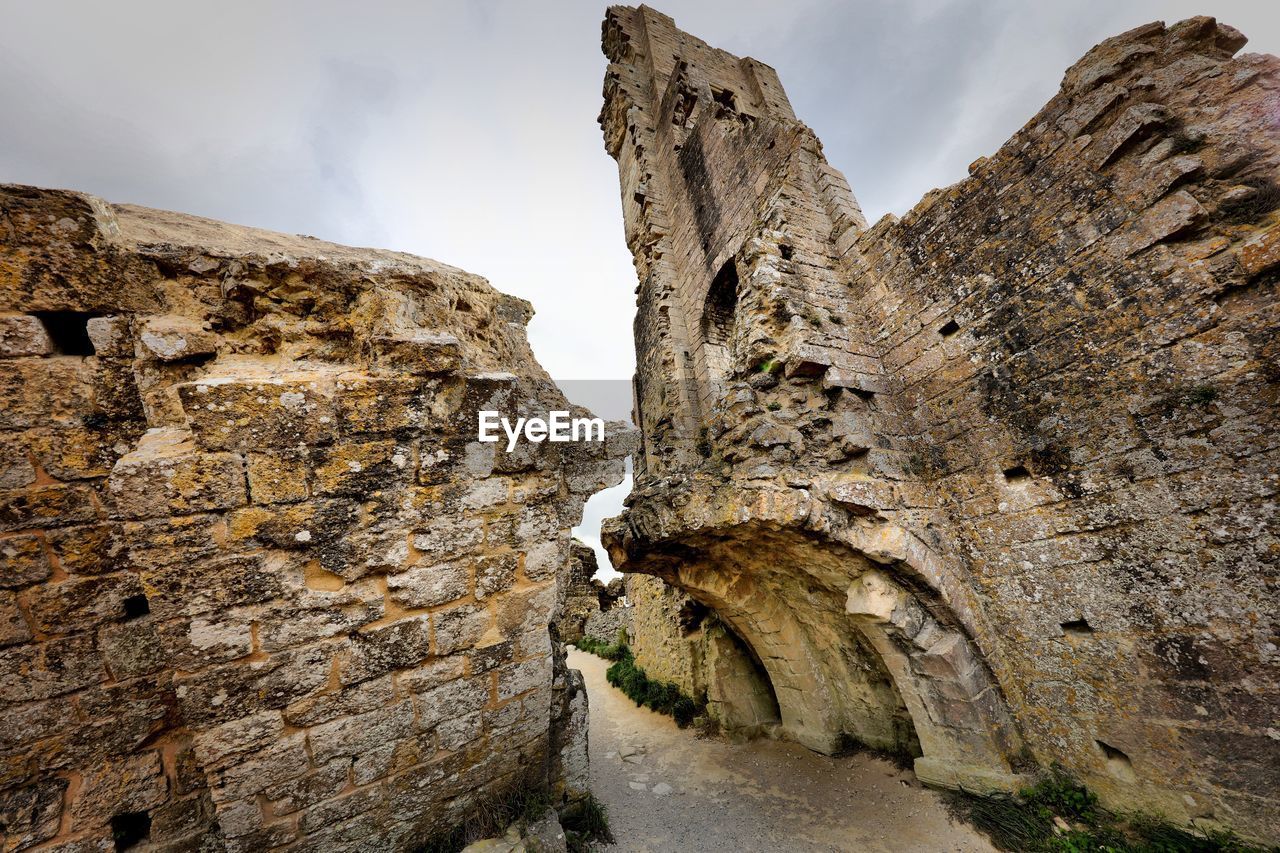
(261, 586)
(591, 607)
(995, 483)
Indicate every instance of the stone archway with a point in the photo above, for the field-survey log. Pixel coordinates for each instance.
(857, 643)
(966, 733)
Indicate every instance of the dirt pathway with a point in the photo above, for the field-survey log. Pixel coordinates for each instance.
(669, 791)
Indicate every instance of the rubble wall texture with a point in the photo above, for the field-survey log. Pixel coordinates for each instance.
(261, 585)
(993, 484)
(591, 607)
(666, 646)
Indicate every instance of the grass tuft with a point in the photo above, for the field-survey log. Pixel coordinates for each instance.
(609, 651)
(1033, 821)
(661, 696)
(524, 801)
(585, 824)
(1263, 198)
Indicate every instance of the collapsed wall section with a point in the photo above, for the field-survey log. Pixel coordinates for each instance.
(261, 585)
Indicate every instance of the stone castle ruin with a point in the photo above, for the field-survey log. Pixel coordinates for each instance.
(993, 485)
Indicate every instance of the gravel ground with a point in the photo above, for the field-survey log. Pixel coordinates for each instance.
(668, 790)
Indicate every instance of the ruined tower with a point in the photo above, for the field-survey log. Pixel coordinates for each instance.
(993, 484)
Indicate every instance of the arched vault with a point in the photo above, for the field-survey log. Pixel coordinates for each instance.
(858, 642)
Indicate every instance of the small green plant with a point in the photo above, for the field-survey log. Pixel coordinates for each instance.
(1060, 795)
(1202, 395)
(769, 365)
(609, 651)
(1195, 395)
(661, 696)
(774, 406)
(1059, 815)
(585, 823)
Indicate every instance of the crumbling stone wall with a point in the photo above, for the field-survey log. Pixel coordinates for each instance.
(613, 618)
(994, 483)
(591, 607)
(666, 634)
(261, 584)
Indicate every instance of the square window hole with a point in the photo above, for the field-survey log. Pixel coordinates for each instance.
(949, 328)
(68, 330)
(136, 606)
(787, 252)
(1077, 628)
(130, 829)
(1018, 474)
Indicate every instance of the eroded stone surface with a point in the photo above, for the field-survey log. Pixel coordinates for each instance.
(591, 608)
(256, 590)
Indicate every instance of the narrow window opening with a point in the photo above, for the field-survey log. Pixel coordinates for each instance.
(949, 328)
(721, 305)
(68, 330)
(787, 251)
(136, 606)
(1017, 474)
(1077, 628)
(130, 829)
(690, 616)
(725, 103)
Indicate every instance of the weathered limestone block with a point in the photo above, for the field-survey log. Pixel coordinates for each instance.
(166, 475)
(46, 506)
(34, 813)
(231, 414)
(279, 477)
(392, 404)
(82, 603)
(176, 338)
(429, 586)
(111, 336)
(134, 784)
(22, 561)
(24, 383)
(50, 668)
(421, 352)
(89, 550)
(23, 334)
(13, 626)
